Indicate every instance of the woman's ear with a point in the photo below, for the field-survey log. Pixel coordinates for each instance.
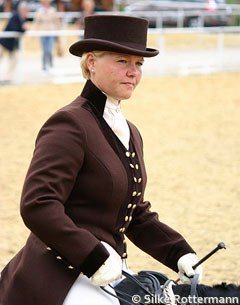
(91, 58)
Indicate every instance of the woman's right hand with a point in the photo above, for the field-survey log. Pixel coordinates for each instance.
(111, 269)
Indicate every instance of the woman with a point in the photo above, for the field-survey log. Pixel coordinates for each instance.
(46, 19)
(85, 185)
(9, 46)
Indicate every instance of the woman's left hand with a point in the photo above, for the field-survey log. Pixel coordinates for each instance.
(186, 270)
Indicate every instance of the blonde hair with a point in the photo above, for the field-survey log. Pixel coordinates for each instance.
(23, 5)
(85, 71)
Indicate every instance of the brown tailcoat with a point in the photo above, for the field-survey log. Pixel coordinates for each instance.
(82, 187)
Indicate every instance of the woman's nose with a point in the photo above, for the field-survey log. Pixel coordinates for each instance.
(133, 70)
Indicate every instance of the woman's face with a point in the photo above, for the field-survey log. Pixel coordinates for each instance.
(115, 74)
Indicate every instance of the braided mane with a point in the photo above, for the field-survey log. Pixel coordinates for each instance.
(217, 294)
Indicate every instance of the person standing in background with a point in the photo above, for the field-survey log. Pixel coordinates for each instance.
(46, 19)
(10, 45)
(87, 9)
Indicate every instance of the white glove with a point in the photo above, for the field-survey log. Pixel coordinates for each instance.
(111, 269)
(186, 271)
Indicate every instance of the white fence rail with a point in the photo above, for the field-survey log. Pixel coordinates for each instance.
(172, 60)
(221, 31)
(178, 17)
(158, 17)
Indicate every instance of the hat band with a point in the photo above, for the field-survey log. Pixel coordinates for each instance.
(121, 44)
(132, 45)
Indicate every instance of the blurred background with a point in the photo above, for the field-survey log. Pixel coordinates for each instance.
(159, 12)
(193, 36)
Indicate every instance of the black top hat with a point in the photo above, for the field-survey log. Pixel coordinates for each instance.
(113, 33)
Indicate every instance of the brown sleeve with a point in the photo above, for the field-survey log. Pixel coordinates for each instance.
(56, 161)
(156, 238)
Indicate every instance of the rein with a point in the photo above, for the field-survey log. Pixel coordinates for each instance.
(125, 294)
(193, 291)
(164, 291)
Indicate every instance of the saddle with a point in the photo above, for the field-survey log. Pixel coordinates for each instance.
(148, 287)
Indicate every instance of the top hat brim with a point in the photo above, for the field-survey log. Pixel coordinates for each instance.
(88, 45)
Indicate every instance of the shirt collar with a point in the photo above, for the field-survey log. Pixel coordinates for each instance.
(112, 103)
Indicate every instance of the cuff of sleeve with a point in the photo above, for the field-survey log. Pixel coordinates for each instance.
(94, 260)
(172, 259)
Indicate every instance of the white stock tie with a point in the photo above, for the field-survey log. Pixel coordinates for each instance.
(115, 119)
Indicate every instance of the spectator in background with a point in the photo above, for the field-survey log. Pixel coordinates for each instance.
(46, 19)
(87, 9)
(10, 45)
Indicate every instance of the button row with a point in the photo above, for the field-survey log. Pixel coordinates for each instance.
(59, 258)
(137, 180)
(136, 166)
(134, 193)
(131, 206)
(128, 154)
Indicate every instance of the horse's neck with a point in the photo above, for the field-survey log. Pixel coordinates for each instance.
(222, 290)
(182, 290)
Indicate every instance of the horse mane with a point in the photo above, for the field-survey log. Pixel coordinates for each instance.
(218, 290)
(226, 286)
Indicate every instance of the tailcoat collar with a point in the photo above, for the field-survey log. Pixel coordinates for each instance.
(94, 96)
